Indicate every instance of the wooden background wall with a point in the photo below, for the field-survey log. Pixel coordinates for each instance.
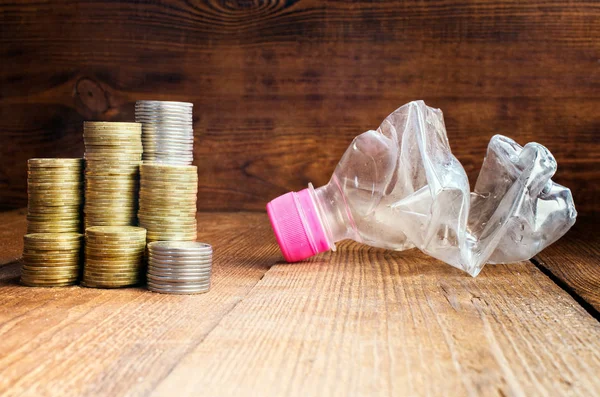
(281, 87)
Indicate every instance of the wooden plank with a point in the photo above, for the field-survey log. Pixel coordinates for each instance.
(281, 90)
(575, 261)
(365, 321)
(83, 341)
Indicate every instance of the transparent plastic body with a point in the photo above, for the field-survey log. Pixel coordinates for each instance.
(400, 187)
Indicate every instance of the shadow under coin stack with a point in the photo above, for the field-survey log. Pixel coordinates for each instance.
(113, 153)
(114, 256)
(168, 195)
(52, 247)
(179, 267)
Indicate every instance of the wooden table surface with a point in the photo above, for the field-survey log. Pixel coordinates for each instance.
(359, 321)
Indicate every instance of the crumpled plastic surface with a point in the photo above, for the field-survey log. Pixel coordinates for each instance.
(515, 211)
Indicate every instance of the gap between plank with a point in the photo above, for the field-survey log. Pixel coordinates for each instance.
(565, 287)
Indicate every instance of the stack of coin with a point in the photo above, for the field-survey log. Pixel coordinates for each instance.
(179, 267)
(114, 256)
(55, 195)
(113, 153)
(168, 201)
(168, 134)
(51, 259)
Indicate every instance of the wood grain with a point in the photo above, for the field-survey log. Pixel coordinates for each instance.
(371, 322)
(13, 227)
(360, 321)
(281, 87)
(84, 341)
(575, 261)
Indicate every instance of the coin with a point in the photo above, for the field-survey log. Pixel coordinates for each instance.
(44, 282)
(170, 289)
(54, 162)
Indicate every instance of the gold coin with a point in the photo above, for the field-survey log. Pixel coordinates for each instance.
(104, 125)
(50, 218)
(111, 182)
(167, 221)
(108, 276)
(157, 168)
(54, 162)
(114, 150)
(116, 231)
(153, 238)
(128, 241)
(114, 256)
(167, 176)
(190, 190)
(165, 214)
(48, 179)
(48, 255)
(56, 185)
(94, 165)
(36, 281)
(71, 237)
(42, 210)
(166, 202)
(53, 229)
(115, 268)
(29, 283)
(51, 274)
(117, 168)
(106, 155)
(55, 222)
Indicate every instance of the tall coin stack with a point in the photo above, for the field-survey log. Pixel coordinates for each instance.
(51, 259)
(52, 247)
(168, 134)
(55, 195)
(114, 256)
(113, 153)
(168, 196)
(179, 267)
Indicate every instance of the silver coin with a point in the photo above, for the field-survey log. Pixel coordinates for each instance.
(179, 292)
(179, 267)
(179, 278)
(181, 245)
(162, 124)
(160, 273)
(180, 288)
(181, 253)
(144, 103)
(171, 127)
(190, 257)
(175, 286)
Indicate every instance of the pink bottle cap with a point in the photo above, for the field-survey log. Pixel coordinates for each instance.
(297, 225)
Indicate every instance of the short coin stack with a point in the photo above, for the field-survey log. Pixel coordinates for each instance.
(113, 153)
(168, 201)
(55, 195)
(168, 134)
(114, 256)
(179, 267)
(51, 259)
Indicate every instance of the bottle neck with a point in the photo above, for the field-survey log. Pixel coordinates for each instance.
(334, 212)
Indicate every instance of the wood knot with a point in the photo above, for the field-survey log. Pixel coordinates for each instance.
(236, 7)
(91, 96)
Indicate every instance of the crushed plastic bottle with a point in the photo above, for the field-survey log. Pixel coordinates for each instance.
(400, 187)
